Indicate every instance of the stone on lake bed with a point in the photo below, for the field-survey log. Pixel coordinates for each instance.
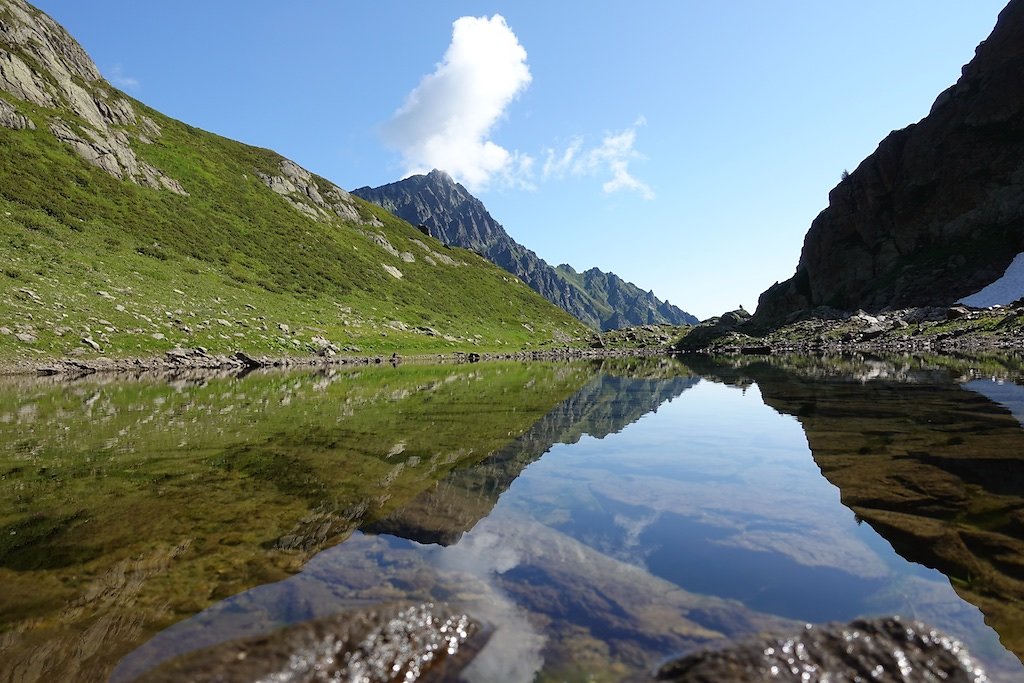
(375, 645)
(863, 650)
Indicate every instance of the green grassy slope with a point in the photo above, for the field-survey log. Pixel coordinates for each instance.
(141, 271)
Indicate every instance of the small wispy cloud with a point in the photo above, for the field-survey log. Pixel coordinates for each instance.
(447, 120)
(610, 158)
(118, 77)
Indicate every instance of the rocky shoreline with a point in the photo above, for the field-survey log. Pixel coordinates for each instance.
(951, 329)
(181, 360)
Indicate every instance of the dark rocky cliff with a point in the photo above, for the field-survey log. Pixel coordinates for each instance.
(454, 216)
(937, 211)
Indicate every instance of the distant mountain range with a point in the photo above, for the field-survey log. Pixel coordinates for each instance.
(451, 214)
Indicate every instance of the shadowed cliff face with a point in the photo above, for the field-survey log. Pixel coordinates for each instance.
(920, 453)
(601, 300)
(937, 211)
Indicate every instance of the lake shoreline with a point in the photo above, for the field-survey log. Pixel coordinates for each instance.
(240, 361)
(954, 329)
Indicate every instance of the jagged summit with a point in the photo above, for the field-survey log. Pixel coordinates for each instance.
(453, 215)
(936, 213)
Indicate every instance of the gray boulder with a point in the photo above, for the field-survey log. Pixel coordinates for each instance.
(379, 645)
(863, 650)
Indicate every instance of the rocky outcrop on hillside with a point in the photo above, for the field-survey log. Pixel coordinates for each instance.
(301, 190)
(937, 211)
(41, 65)
(450, 213)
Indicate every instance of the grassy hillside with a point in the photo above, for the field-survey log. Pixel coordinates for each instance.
(232, 265)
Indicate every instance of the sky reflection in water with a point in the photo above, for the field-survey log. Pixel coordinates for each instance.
(609, 553)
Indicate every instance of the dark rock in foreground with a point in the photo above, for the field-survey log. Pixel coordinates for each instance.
(863, 650)
(418, 643)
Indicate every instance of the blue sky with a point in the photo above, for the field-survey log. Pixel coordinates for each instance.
(684, 145)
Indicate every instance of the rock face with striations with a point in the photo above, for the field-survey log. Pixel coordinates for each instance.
(40, 64)
(937, 211)
(454, 216)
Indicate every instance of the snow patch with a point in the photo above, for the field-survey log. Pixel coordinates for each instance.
(1003, 291)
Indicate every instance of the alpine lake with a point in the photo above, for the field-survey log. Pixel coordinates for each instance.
(597, 516)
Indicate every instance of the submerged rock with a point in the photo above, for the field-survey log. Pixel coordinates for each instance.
(411, 643)
(863, 650)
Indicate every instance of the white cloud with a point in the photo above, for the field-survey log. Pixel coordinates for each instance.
(118, 77)
(610, 158)
(446, 121)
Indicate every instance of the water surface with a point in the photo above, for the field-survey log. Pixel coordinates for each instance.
(598, 517)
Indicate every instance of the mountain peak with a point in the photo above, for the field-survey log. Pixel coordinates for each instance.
(601, 300)
(439, 176)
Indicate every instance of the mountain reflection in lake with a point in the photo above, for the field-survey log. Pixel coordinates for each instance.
(596, 517)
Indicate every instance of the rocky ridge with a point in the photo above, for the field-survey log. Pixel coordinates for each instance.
(936, 212)
(41, 65)
(447, 211)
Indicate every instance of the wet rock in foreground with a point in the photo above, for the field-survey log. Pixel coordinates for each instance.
(863, 650)
(398, 643)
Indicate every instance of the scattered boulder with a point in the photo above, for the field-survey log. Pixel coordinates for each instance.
(323, 347)
(247, 360)
(379, 645)
(863, 650)
(714, 328)
(873, 331)
(91, 343)
(178, 355)
(957, 312)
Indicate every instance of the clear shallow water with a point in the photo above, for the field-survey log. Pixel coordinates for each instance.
(638, 513)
